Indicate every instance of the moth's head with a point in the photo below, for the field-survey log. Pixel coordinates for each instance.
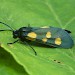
(22, 32)
(15, 34)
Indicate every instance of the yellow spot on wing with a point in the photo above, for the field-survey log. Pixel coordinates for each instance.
(32, 35)
(45, 27)
(48, 35)
(31, 39)
(44, 40)
(58, 41)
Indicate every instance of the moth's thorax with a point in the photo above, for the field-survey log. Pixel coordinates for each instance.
(22, 32)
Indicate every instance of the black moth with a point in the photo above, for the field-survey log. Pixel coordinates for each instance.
(51, 36)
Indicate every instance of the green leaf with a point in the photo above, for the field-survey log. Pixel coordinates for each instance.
(49, 61)
(8, 66)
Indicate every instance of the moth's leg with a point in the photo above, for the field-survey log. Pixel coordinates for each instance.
(13, 42)
(30, 47)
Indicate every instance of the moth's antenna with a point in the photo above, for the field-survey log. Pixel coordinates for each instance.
(7, 26)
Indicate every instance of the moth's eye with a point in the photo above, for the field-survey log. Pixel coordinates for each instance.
(15, 34)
